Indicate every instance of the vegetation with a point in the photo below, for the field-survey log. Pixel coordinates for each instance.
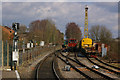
(103, 35)
(73, 31)
(100, 34)
(45, 30)
(22, 35)
(114, 50)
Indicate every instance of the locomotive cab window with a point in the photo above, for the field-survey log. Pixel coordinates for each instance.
(72, 41)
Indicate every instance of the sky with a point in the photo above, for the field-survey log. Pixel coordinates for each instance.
(59, 0)
(61, 12)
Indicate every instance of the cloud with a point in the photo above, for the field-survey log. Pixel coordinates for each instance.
(60, 0)
(115, 27)
(99, 15)
(61, 13)
(110, 6)
(0, 13)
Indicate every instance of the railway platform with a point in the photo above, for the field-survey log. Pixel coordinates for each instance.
(7, 75)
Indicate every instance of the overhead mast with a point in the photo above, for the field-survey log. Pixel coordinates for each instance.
(86, 22)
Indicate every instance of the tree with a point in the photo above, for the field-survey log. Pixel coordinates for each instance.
(22, 29)
(35, 31)
(100, 34)
(94, 32)
(34, 25)
(43, 30)
(73, 31)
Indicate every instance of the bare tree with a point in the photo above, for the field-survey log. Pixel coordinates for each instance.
(73, 31)
(22, 29)
(94, 32)
(44, 30)
(35, 25)
(100, 34)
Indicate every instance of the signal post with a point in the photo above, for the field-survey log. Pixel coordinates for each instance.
(15, 55)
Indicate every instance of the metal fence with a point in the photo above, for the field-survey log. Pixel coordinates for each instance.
(25, 57)
(6, 56)
(0, 52)
(32, 54)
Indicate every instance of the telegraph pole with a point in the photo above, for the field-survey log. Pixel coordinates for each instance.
(15, 55)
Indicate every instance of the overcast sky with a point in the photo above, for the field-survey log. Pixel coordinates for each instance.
(60, 0)
(99, 13)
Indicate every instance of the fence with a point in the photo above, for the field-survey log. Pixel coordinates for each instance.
(6, 56)
(26, 57)
(31, 55)
(0, 52)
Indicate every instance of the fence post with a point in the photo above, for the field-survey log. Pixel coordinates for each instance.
(11, 63)
(2, 55)
(22, 58)
(7, 55)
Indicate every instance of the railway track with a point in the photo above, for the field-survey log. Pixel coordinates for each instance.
(93, 72)
(107, 68)
(68, 63)
(96, 60)
(107, 64)
(46, 69)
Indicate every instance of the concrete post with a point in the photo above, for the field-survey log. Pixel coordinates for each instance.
(103, 52)
(7, 55)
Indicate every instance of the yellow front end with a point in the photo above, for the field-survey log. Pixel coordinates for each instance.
(86, 43)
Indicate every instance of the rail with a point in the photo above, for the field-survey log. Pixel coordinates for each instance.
(86, 76)
(118, 73)
(51, 70)
(78, 62)
(107, 64)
